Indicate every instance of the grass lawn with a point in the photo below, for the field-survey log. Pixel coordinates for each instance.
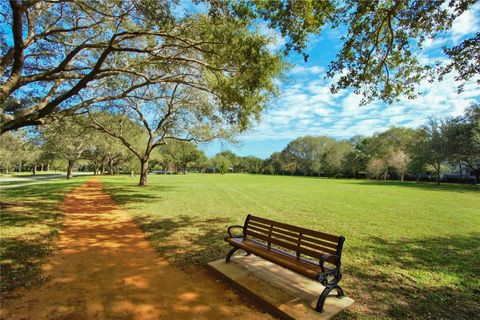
(412, 250)
(30, 219)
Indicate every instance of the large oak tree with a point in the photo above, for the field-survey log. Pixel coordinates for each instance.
(55, 55)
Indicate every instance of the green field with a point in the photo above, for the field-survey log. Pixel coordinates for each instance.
(412, 250)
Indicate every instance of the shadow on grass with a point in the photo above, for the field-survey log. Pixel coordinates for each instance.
(22, 214)
(435, 278)
(53, 190)
(30, 219)
(430, 278)
(430, 186)
(16, 183)
(125, 194)
(187, 240)
(184, 239)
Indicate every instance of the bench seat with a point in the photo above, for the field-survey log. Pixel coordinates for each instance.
(303, 266)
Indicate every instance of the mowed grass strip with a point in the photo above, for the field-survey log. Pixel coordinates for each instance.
(412, 250)
(30, 220)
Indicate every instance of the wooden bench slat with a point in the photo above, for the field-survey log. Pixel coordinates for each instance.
(319, 242)
(317, 247)
(304, 244)
(258, 224)
(259, 230)
(286, 232)
(284, 237)
(306, 240)
(309, 232)
(285, 245)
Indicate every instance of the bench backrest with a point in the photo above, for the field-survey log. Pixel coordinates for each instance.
(300, 240)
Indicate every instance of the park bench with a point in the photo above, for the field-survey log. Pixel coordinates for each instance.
(314, 254)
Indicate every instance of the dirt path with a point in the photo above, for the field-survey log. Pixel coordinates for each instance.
(105, 269)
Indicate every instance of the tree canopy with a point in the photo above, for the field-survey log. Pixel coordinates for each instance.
(63, 55)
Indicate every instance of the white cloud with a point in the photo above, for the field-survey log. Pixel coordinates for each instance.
(276, 40)
(308, 107)
(466, 23)
(430, 43)
(297, 69)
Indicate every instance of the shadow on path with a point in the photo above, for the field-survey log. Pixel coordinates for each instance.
(187, 240)
(104, 269)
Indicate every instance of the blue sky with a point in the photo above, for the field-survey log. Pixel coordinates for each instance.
(305, 105)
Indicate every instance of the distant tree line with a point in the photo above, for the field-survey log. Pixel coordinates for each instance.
(425, 153)
(438, 147)
(74, 144)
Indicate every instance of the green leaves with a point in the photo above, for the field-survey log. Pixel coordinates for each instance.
(75, 54)
(380, 54)
(465, 58)
(241, 71)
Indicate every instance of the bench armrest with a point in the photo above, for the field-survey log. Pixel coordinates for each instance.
(232, 227)
(327, 256)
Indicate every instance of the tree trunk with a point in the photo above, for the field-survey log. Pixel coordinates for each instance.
(20, 166)
(437, 174)
(41, 167)
(110, 166)
(102, 166)
(402, 175)
(48, 166)
(143, 172)
(69, 168)
(34, 169)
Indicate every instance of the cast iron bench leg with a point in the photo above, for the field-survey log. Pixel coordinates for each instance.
(230, 254)
(340, 292)
(324, 295)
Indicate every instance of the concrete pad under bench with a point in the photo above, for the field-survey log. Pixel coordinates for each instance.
(286, 294)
